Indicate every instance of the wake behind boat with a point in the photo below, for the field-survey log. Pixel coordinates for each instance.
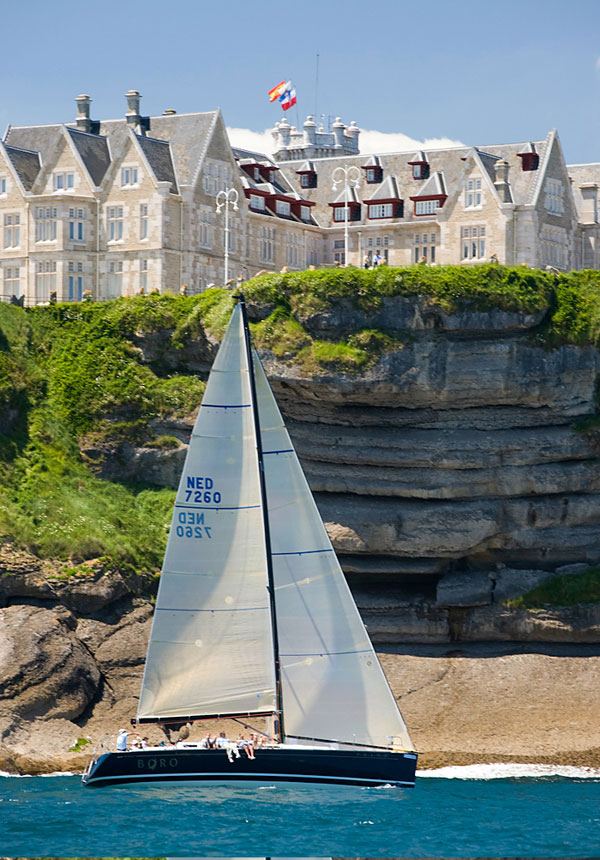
(254, 617)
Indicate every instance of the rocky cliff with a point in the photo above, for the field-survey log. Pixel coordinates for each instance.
(451, 477)
(449, 473)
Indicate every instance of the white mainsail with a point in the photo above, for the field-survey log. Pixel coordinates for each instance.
(333, 685)
(211, 647)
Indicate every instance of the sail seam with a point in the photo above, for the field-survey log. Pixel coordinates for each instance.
(241, 609)
(329, 653)
(204, 508)
(228, 405)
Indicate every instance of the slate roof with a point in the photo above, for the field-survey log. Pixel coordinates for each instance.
(94, 152)
(158, 155)
(450, 162)
(434, 185)
(387, 190)
(26, 163)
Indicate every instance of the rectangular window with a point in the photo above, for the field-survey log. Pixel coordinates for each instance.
(371, 174)
(256, 173)
(473, 193)
(143, 275)
(115, 279)
(426, 207)
(267, 244)
(339, 213)
(45, 280)
(554, 247)
(11, 281)
(12, 231)
(115, 223)
(45, 224)
(2, 185)
(282, 207)
(129, 176)
(473, 243)
(62, 181)
(144, 221)
(554, 197)
(305, 180)
(305, 213)
(76, 219)
(75, 287)
(257, 202)
(381, 210)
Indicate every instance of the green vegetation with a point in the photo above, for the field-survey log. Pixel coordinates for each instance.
(92, 376)
(562, 590)
(79, 744)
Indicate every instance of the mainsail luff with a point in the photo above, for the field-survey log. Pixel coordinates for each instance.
(279, 727)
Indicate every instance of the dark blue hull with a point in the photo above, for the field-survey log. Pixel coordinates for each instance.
(346, 767)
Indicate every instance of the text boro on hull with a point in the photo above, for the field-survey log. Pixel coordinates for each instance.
(254, 617)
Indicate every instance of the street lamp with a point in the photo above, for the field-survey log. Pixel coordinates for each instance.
(350, 176)
(224, 198)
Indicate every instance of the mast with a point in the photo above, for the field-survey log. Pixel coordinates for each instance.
(265, 516)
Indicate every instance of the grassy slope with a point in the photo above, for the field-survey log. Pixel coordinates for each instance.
(74, 371)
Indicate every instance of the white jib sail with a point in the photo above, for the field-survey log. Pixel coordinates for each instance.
(211, 649)
(333, 685)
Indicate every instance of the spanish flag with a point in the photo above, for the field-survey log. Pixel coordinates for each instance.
(276, 92)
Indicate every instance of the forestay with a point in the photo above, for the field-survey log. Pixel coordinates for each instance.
(333, 685)
(210, 649)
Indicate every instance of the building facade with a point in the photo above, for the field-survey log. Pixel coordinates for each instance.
(118, 207)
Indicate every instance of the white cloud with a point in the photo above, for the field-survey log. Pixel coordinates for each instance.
(370, 141)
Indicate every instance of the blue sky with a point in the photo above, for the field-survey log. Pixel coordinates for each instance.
(469, 71)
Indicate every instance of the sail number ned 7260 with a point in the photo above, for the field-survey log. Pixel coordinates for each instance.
(200, 491)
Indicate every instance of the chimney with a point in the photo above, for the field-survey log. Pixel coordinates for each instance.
(501, 181)
(140, 124)
(83, 121)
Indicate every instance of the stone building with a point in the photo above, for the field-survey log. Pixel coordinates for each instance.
(460, 205)
(117, 207)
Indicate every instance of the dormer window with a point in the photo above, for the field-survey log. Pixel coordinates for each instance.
(420, 166)
(257, 202)
(307, 174)
(282, 207)
(305, 213)
(529, 157)
(426, 207)
(373, 170)
(63, 181)
(257, 174)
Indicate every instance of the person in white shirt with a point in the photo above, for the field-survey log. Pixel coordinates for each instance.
(122, 741)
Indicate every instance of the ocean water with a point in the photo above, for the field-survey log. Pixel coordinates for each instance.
(491, 811)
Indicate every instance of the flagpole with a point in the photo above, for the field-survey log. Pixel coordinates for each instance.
(317, 89)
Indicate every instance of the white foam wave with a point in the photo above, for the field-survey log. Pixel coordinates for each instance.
(4, 773)
(511, 770)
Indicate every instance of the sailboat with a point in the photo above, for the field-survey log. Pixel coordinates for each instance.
(254, 617)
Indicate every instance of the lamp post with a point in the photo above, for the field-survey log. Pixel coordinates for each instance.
(350, 176)
(224, 198)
